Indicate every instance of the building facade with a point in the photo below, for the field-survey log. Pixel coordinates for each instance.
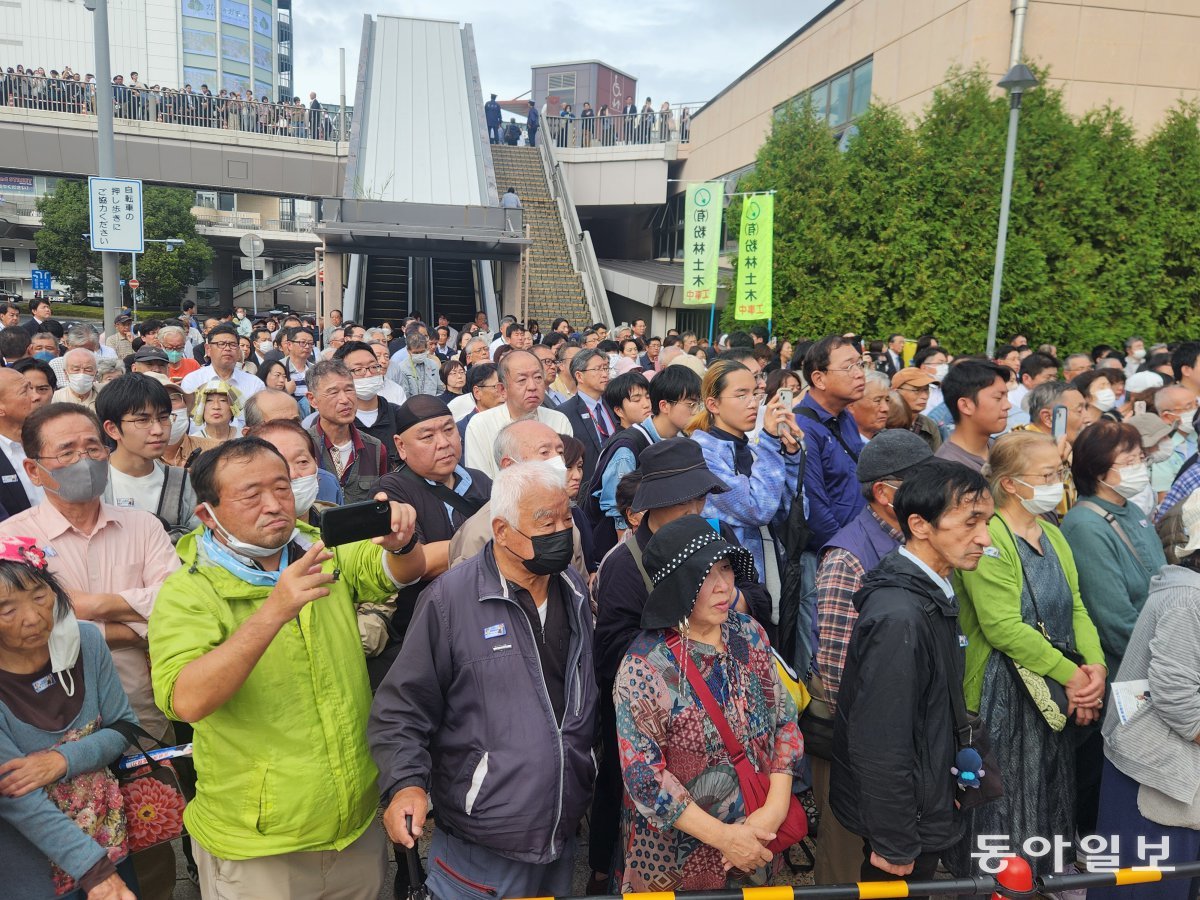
(1139, 55)
(234, 45)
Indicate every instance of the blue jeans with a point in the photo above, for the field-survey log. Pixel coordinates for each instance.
(462, 871)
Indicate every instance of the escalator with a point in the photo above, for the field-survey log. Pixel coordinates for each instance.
(454, 291)
(385, 295)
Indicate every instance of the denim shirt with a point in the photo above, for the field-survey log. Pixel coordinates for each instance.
(831, 474)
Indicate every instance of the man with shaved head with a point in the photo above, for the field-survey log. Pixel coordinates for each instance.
(17, 492)
(524, 441)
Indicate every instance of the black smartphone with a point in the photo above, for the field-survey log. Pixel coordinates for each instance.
(355, 522)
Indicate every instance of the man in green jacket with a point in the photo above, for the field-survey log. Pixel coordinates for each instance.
(255, 641)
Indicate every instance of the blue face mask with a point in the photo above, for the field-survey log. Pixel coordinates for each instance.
(240, 566)
(44, 355)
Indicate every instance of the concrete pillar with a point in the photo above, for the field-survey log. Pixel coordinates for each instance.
(510, 289)
(334, 279)
(225, 277)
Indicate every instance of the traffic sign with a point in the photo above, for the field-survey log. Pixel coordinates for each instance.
(251, 262)
(115, 206)
(251, 245)
(41, 280)
(134, 284)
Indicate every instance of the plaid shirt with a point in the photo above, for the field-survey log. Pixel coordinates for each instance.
(839, 577)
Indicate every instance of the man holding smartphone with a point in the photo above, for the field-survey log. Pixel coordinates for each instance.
(257, 645)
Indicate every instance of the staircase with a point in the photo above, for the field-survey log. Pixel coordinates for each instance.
(555, 288)
(454, 290)
(385, 296)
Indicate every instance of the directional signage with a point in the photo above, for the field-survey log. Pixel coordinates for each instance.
(41, 280)
(115, 205)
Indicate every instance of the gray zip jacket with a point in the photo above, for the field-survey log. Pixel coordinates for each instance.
(464, 713)
(1157, 746)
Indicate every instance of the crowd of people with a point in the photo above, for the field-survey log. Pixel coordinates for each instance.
(713, 597)
(605, 126)
(68, 91)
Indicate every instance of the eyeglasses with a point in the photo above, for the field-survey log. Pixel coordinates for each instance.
(367, 371)
(595, 369)
(70, 457)
(859, 366)
(489, 385)
(226, 345)
(739, 397)
(692, 406)
(1060, 474)
(302, 343)
(143, 423)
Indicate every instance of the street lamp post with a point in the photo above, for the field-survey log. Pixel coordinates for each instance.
(106, 166)
(1018, 80)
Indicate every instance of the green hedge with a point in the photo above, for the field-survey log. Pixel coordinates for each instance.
(898, 233)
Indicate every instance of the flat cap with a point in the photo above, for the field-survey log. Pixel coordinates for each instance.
(891, 453)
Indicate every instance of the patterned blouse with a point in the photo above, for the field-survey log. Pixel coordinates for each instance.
(672, 755)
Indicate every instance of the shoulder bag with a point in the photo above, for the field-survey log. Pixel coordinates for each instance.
(969, 729)
(154, 800)
(754, 785)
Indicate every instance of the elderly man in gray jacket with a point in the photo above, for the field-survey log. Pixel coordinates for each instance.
(491, 704)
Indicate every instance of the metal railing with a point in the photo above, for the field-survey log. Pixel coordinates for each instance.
(583, 256)
(283, 276)
(657, 126)
(143, 103)
(213, 218)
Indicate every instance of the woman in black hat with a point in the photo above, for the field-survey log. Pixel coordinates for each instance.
(687, 825)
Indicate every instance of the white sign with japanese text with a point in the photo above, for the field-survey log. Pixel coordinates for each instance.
(115, 206)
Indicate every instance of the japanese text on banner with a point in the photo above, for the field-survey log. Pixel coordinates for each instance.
(703, 207)
(755, 258)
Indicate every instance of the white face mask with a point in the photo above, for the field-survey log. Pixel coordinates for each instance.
(366, 388)
(265, 347)
(1046, 497)
(1139, 355)
(1161, 453)
(253, 551)
(179, 426)
(556, 462)
(64, 650)
(81, 383)
(304, 489)
(1134, 480)
(1186, 425)
(1104, 399)
(941, 370)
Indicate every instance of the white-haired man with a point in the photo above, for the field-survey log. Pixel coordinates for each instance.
(520, 653)
(79, 372)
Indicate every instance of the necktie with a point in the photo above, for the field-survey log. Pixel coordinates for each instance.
(601, 426)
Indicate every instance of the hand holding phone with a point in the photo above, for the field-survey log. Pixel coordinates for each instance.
(355, 522)
(1059, 426)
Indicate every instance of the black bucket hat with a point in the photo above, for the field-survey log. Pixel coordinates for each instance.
(678, 559)
(674, 471)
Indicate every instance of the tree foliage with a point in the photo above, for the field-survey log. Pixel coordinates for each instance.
(897, 231)
(165, 276)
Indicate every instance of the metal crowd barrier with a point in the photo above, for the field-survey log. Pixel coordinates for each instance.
(1013, 882)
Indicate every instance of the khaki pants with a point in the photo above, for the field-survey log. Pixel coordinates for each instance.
(839, 853)
(356, 873)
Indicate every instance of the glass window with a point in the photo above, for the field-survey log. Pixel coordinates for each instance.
(227, 202)
(8, 254)
(862, 90)
(33, 257)
(839, 99)
(820, 101)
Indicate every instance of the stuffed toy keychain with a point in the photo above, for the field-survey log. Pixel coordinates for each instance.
(968, 766)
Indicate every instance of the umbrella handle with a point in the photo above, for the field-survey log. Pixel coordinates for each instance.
(416, 875)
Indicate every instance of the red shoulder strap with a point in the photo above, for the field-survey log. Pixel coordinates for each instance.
(737, 753)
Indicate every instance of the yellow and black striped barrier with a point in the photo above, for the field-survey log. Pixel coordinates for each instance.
(1015, 883)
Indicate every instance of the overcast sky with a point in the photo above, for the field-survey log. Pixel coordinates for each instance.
(679, 50)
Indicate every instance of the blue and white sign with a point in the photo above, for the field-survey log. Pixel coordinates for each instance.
(41, 280)
(115, 206)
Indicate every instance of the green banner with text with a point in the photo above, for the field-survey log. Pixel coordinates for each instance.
(755, 258)
(702, 211)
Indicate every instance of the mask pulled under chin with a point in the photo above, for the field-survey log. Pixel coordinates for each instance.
(239, 548)
(64, 649)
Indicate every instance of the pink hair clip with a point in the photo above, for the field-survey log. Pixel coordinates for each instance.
(22, 550)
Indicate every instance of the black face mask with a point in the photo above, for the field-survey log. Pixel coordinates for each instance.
(552, 552)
